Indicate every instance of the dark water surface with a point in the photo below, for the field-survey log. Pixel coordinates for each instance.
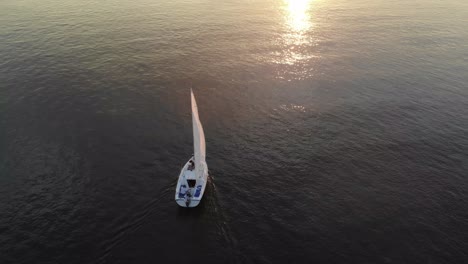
(337, 131)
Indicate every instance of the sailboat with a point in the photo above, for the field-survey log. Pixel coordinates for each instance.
(194, 175)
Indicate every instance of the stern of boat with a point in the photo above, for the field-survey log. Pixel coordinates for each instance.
(189, 184)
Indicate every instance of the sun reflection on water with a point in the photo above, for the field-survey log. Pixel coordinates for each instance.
(298, 18)
(296, 40)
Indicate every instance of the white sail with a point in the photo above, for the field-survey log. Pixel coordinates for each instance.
(198, 140)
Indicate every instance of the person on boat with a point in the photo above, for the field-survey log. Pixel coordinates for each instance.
(183, 189)
(191, 165)
(187, 197)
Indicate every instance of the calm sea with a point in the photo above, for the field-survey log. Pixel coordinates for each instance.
(337, 130)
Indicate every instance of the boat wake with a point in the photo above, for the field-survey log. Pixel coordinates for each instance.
(210, 213)
(211, 207)
(132, 225)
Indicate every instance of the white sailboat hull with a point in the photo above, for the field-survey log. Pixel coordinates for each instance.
(194, 185)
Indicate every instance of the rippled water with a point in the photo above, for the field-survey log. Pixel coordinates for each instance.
(337, 131)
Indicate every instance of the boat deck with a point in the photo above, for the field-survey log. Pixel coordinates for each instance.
(190, 187)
